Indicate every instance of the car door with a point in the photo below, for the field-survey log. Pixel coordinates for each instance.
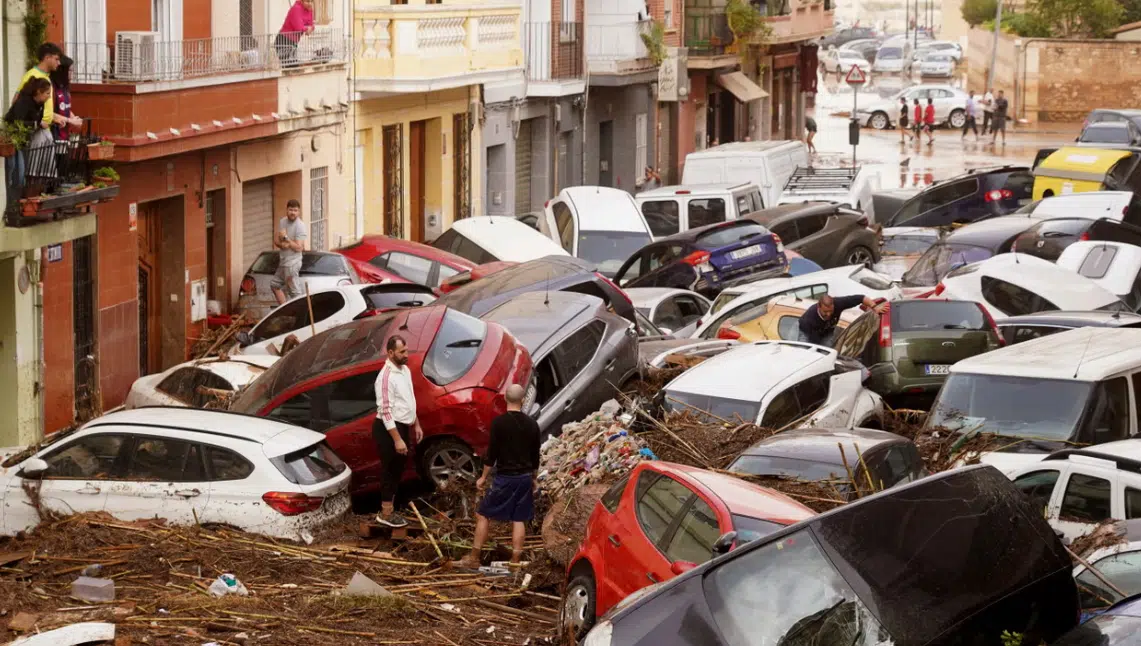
(667, 315)
(1086, 500)
(946, 204)
(945, 102)
(190, 386)
(164, 477)
(582, 383)
(78, 479)
(812, 243)
(292, 318)
(694, 534)
(658, 503)
(345, 416)
(663, 216)
(1039, 485)
(226, 470)
(661, 267)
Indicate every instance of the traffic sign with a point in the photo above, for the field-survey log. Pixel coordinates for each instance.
(856, 76)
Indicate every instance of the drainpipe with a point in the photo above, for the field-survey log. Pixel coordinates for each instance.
(32, 261)
(1021, 105)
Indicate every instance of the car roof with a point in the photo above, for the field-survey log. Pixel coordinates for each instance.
(648, 297)
(535, 317)
(1073, 318)
(989, 233)
(691, 235)
(822, 444)
(740, 496)
(790, 210)
(1083, 354)
(925, 232)
(276, 438)
(384, 244)
(694, 189)
(1112, 204)
(748, 372)
(1062, 287)
(238, 368)
(553, 270)
(1115, 125)
(766, 285)
(594, 207)
(736, 147)
(1129, 449)
(507, 238)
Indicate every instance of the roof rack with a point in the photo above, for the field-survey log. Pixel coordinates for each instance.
(1123, 463)
(808, 178)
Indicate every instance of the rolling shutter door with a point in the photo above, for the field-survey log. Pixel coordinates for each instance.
(523, 168)
(257, 219)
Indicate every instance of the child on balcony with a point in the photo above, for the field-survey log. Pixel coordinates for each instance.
(298, 21)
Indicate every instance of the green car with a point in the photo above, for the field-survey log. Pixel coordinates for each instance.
(909, 347)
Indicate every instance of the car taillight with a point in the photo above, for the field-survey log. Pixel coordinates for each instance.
(991, 323)
(778, 243)
(616, 288)
(696, 258)
(728, 334)
(369, 313)
(885, 329)
(292, 504)
(997, 194)
(248, 286)
(1084, 236)
(939, 289)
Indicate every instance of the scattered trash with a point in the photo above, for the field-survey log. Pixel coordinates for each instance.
(93, 590)
(449, 608)
(23, 622)
(227, 584)
(92, 570)
(72, 635)
(598, 449)
(362, 586)
(526, 580)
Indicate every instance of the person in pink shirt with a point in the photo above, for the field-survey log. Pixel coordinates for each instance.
(298, 21)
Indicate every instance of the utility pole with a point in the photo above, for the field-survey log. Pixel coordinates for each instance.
(994, 45)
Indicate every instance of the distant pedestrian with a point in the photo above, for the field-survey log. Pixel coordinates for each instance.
(818, 323)
(396, 426)
(903, 121)
(298, 22)
(810, 126)
(971, 112)
(988, 110)
(917, 112)
(1001, 106)
(650, 180)
(929, 121)
(513, 452)
(290, 238)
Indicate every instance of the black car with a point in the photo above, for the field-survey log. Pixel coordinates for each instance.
(552, 273)
(955, 558)
(978, 194)
(707, 259)
(1111, 134)
(1016, 329)
(1049, 238)
(825, 233)
(865, 48)
(972, 243)
(1102, 115)
(842, 36)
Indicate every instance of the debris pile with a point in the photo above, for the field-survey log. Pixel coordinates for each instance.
(598, 449)
(697, 439)
(1105, 534)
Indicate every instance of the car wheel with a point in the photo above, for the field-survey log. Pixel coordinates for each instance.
(446, 460)
(579, 603)
(859, 256)
(958, 119)
(879, 121)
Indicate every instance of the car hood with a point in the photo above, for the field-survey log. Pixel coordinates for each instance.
(1009, 462)
(9, 451)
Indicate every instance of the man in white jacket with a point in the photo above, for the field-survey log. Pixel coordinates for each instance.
(396, 426)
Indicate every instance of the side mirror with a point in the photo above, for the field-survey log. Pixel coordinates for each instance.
(34, 469)
(245, 338)
(724, 543)
(681, 567)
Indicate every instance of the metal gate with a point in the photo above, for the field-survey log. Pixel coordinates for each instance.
(83, 312)
(393, 142)
(257, 219)
(523, 168)
(461, 170)
(144, 321)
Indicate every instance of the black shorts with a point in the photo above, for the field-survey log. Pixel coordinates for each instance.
(511, 499)
(903, 122)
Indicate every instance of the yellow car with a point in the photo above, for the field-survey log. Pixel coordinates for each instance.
(1078, 170)
(775, 320)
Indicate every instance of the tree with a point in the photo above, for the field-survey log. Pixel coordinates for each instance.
(976, 12)
(1078, 18)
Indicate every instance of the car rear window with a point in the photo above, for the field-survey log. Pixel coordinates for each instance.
(455, 348)
(904, 245)
(726, 235)
(750, 529)
(921, 316)
(1108, 133)
(722, 407)
(380, 298)
(311, 465)
(775, 465)
(312, 264)
(871, 279)
(1065, 226)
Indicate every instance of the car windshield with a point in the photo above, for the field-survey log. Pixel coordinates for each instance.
(455, 348)
(803, 598)
(775, 465)
(715, 408)
(750, 529)
(907, 244)
(940, 259)
(1102, 630)
(1106, 134)
(726, 235)
(607, 250)
(1049, 409)
(886, 53)
(312, 264)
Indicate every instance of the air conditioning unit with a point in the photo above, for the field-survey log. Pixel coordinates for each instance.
(136, 56)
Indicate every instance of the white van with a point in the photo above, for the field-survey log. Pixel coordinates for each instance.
(490, 238)
(674, 209)
(1116, 266)
(598, 224)
(768, 164)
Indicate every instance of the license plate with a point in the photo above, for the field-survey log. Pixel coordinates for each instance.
(932, 369)
(754, 250)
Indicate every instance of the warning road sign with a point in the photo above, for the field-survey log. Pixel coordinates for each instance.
(856, 76)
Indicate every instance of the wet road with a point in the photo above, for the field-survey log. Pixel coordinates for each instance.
(911, 165)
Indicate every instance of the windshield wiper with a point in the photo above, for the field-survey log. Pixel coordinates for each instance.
(465, 343)
(955, 327)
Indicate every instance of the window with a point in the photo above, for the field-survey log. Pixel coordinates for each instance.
(744, 204)
(547, 381)
(1019, 333)
(810, 225)
(659, 505)
(1122, 569)
(896, 467)
(564, 221)
(722, 408)
(297, 410)
(90, 458)
(455, 348)
(322, 11)
(407, 266)
(758, 201)
(781, 412)
(668, 315)
(641, 137)
(924, 316)
(702, 212)
(689, 309)
(1086, 499)
(164, 459)
(184, 385)
(662, 216)
(1108, 419)
(812, 393)
(576, 351)
(658, 257)
(613, 495)
(1011, 299)
(318, 199)
(938, 196)
(694, 538)
(311, 465)
(1021, 184)
(352, 397)
(384, 297)
(294, 315)
(669, 13)
(788, 328)
(226, 465)
(1136, 379)
(851, 342)
(786, 231)
(1132, 503)
(166, 18)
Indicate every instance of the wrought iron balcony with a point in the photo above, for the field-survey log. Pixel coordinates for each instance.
(553, 50)
(708, 34)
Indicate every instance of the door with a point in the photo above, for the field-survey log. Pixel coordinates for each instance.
(162, 477)
(811, 240)
(80, 473)
(606, 153)
(257, 219)
(945, 102)
(150, 288)
(658, 500)
(346, 419)
(83, 317)
(85, 28)
(416, 163)
(572, 357)
(523, 168)
(393, 141)
(1085, 501)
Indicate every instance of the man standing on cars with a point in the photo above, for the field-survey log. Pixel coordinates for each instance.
(290, 238)
(988, 109)
(1001, 106)
(396, 425)
(513, 451)
(818, 323)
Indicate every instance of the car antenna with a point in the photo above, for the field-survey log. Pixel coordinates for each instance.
(547, 291)
(1083, 355)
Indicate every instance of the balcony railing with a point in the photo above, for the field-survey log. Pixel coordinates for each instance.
(53, 179)
(618, 47)
(707, 35)
(142, 58)
(553, 50)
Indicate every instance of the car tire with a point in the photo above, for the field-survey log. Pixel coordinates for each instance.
(879, 121)
(444, 459)
(957, 119)
(859, 255)
(577, 611)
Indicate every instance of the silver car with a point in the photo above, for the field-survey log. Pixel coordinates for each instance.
(950, 106)
(582, 353)
(319, 270)
(937, 64)
(675, 312)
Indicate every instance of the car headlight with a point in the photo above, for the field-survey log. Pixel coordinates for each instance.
(600, 635)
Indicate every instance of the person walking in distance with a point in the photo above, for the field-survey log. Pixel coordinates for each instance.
(1001, 107)
(810, 127)
(970, 111)
(929, 121)
(290, 238)
(988, 110)
(917, 113)
(396, 426)
(513, 453)
(903, 121)
(818, 323)
(298, 21)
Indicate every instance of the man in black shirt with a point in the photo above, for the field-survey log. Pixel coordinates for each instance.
(513, 451)
(818, 323)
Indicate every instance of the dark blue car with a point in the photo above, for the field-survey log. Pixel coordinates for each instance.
(1119, 625)
(975, 195)
(707, 259)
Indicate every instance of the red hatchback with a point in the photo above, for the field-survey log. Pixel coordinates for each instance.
(377, 256)
(461, 368)
(659, 521)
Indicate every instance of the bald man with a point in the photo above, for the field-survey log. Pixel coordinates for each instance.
(513, 453)
(818, 323)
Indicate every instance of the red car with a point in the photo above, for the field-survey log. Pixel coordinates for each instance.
(461, 368)
(377, 256)
(659, 521)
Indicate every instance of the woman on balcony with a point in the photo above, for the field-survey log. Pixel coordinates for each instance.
(298, 22)
(28, 110)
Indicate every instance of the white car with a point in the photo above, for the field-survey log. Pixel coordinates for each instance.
(674, 311)
(838, 281)
(937, 64)
(186, 383)
(950, 106)
(841, 60)
(330, 308)
(182, 465)
(1093, 205)
(319, 270)
(954, 50)
(598, 224)
(848, 187)
(776, 384)
(1116, 266)
(492, 238)
(1011, 284)
(1119, 562)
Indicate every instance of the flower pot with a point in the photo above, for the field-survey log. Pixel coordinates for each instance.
(30, 207)
(7, 149)
(98, 152)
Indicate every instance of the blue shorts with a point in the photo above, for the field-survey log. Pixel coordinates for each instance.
(510, 499)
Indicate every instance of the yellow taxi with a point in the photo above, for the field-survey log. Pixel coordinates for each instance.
(774, 320)
(1077, 170)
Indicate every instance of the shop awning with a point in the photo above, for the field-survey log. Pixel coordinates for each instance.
(741, 86)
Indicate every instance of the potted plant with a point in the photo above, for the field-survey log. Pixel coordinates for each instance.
(105, 176)
(30, 206)
(101, 151)
(14, 136)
